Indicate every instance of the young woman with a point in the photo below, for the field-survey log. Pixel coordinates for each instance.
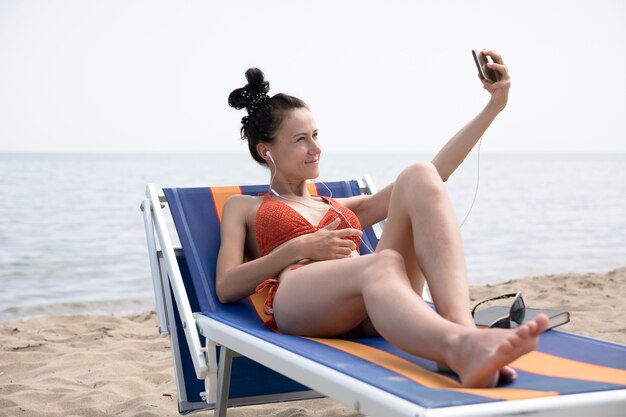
(306, 248)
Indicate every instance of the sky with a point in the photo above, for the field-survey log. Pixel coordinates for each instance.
(379, 76)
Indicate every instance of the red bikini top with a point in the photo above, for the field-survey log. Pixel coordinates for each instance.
(276, 222)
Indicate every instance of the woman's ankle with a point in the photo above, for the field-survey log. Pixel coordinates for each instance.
(453, 344)
(461, 318)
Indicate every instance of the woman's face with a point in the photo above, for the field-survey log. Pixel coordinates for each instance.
(296, 150)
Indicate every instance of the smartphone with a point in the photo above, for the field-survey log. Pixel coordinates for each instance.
(484, 72)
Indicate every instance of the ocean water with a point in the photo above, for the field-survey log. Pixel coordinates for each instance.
(72, 239)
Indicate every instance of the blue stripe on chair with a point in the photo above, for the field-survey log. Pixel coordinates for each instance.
(254, 190)
(596, 352)
(193, 211)
(242, 317)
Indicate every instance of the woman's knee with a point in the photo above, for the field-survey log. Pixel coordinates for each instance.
(387, 264)
(421, 176)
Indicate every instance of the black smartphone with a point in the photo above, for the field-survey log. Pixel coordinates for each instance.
(484, 72)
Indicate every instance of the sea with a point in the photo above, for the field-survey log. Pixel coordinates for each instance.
(72, 239)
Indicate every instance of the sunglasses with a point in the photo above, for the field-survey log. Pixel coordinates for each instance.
(516, 312)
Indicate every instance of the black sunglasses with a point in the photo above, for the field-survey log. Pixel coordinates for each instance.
(516, 313)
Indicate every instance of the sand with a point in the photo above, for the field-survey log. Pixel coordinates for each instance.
(121, 366)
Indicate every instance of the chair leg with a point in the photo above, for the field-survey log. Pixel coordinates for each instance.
(223, 381)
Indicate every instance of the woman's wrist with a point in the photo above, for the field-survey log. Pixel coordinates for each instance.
(494, 107)
(295, 249)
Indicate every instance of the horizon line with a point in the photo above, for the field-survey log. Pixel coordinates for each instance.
(400, 152)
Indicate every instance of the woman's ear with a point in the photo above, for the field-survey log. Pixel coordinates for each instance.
(262, 149)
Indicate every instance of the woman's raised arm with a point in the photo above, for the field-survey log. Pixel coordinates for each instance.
(456, 150)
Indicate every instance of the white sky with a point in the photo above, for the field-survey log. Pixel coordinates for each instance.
(384, 76)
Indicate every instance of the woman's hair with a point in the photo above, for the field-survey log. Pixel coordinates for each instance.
(265, 114)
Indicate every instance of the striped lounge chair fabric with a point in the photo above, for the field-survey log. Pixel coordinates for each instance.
(224, 356)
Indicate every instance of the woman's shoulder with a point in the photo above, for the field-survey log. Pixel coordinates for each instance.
(242, 199)
(241, 204)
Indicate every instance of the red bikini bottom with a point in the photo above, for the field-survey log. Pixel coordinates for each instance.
(272, 285)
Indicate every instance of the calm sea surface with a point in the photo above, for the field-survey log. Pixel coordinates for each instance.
(72, 238)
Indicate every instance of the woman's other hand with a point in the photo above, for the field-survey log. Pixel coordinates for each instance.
(499, 90)
(329, 243)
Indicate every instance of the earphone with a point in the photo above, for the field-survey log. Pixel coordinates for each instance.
(268, 153)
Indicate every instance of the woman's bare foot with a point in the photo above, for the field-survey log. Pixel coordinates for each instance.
(478, 355)
(506, 374)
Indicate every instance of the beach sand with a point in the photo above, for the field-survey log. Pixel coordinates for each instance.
(121, 366)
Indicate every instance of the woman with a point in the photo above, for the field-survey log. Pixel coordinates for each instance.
(320, 285)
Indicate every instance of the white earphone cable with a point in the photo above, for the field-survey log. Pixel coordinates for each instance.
(480, 142)
(330, 199)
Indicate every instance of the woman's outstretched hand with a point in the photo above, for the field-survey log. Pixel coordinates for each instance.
(499, 90)
(329, 243)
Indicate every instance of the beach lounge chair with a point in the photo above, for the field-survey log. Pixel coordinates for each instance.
(223, 356)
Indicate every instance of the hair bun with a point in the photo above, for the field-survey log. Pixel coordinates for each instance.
(265, 114)
(252, 94)
(256, 81)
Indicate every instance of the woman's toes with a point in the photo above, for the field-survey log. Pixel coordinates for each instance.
(507, 374)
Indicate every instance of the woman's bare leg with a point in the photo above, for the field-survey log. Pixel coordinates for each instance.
(422, 226)
(331, 297)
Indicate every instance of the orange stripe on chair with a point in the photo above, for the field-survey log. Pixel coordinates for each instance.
(555, 366)
(312, 188)
(220, 195)
(423, 376)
